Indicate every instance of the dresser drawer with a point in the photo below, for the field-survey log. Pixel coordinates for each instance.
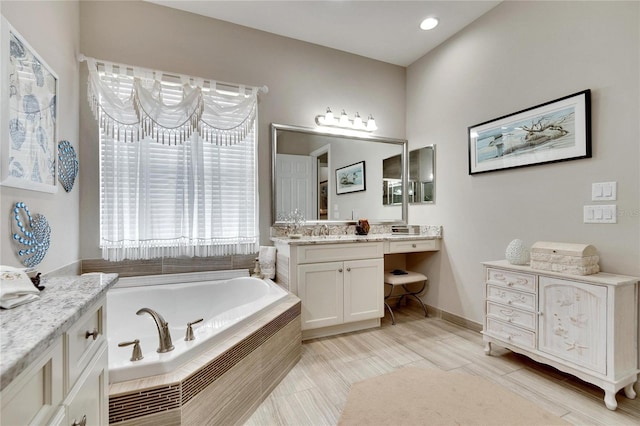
(511, 279)
(83, 339)
(508, 314)
(413, 246)
(517, 299)
(510, 333)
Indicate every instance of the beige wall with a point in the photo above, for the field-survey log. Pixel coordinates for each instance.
(52, 29)
(518, 55)
(303, 79)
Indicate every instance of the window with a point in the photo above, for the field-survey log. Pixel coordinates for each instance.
(193, 195)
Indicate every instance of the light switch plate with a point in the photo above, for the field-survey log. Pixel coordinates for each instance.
(604, 191)
(600, 214)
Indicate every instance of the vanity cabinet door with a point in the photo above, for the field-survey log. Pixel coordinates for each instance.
(87, 400)
(363, 289)
(320, 288)
(573, 321)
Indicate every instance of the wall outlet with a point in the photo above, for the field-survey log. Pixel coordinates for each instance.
(601, 214)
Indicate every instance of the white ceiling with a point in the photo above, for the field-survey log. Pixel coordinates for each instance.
(384, 30)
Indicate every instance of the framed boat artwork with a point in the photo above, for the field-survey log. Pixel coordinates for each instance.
(558, 130)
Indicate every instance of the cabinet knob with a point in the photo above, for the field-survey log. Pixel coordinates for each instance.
(340, 270)
(93, 334)
(348, 269)
(82, 422)
(414, 245)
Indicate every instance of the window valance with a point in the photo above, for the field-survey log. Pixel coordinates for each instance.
(137, 103)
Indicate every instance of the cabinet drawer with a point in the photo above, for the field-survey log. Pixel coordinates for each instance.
(511, 279)
(338, 252)
(413, 246)
(508, 314)
(510, 333)
(517, 299)
(81, 343)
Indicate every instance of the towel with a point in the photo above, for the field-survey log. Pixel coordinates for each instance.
(16, 288)
(267, 260)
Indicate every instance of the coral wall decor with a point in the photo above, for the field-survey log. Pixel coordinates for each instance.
(31, 235)
(67, 165)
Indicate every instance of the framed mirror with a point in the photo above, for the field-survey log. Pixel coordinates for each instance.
(421, 184)
(333, 176)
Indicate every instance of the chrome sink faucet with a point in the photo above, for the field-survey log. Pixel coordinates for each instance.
(163, 330)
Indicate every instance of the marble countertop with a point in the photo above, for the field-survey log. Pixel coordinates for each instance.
(352, 238)
(28, 330)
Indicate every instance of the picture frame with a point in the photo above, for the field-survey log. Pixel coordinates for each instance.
(351, 178)
(558, 130)
(28, 117)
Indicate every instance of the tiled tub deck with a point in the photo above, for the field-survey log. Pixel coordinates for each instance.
(221, 386)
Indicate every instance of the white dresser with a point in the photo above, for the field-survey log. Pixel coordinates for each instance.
(583, 325)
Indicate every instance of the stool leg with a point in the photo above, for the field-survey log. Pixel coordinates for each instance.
(393, 318)
(386, 296)
(415, 293)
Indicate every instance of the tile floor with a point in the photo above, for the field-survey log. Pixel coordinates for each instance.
(315, 390)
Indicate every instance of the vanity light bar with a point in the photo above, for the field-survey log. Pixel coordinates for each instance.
(345, 122)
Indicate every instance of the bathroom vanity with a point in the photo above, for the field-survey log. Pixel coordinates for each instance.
(583, 325)
(53, 367)
(340, 278)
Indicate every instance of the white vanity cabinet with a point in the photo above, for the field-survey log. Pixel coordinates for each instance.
(334, 293)
(68, 383)
(340, 284)
(583, 325)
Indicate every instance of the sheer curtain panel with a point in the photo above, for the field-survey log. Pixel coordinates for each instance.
(178, 167)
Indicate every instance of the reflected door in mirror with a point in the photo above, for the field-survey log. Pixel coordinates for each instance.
(295, 185)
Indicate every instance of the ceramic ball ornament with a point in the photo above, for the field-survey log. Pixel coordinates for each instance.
(517, 253)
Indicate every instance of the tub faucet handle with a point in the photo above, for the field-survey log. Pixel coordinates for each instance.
(137, 352)
(190, 336)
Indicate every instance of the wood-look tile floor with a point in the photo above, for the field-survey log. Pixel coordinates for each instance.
(315, 390)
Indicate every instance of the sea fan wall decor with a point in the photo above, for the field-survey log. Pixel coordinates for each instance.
(31, 235)
(67, 165)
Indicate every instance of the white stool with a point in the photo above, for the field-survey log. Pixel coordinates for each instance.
(392, 280)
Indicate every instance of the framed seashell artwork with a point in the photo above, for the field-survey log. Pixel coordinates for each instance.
(28, 118)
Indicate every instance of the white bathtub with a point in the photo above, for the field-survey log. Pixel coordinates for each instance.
(180, 298)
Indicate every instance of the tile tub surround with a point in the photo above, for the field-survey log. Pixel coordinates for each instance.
(238, 374)
(170, 265)
(28, 330)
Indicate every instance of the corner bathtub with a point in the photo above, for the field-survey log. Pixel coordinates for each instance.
(224, 304)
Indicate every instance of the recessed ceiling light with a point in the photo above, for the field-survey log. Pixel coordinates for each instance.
(429, 23)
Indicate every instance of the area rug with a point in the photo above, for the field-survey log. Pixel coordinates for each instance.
(418, 396)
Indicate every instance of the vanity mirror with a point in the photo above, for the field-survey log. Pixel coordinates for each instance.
(421, 185)
(312, 168)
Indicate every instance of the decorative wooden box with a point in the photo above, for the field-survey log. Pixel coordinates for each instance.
(568, 258)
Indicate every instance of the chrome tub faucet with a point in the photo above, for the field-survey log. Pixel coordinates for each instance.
(164, 335)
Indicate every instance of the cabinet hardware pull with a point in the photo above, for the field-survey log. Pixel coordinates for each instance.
(340, 270)
(82, 422)
(348, 269)
(413, 245)
(94, 333)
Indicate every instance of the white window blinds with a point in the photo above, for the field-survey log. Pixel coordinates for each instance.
(193, 195)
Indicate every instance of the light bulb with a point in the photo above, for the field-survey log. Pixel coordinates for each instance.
(371, 124)
(357, 122)
(328, 117)
(344, 119)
